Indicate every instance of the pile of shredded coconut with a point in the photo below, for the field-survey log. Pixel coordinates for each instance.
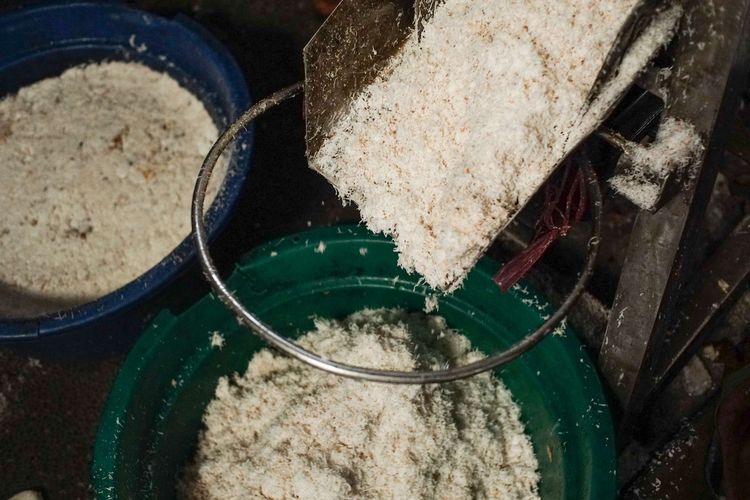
(464, 124)
(676, 146)
(285, 430)
(97, 169)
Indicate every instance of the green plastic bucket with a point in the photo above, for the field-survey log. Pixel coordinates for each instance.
(153, 415)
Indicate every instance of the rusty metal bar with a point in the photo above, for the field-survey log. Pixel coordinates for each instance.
(710, 63)
(722, 279)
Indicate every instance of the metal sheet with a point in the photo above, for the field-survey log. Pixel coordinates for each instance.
(346, 54)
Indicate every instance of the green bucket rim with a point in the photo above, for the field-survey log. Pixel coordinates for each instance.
(108, 437)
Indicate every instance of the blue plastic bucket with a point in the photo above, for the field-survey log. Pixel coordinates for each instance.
(45, 40)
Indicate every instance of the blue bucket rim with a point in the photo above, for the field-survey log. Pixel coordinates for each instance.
(150, 283)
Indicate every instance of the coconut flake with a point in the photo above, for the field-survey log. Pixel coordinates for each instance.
(464, 124)
(674, 150)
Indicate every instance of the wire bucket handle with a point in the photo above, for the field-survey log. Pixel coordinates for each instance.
(290, 348)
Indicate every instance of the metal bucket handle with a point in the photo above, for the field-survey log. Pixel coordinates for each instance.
(357, 372)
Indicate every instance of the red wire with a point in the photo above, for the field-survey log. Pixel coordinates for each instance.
(547, 229)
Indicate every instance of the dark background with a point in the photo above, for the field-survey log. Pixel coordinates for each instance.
(49, 410)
